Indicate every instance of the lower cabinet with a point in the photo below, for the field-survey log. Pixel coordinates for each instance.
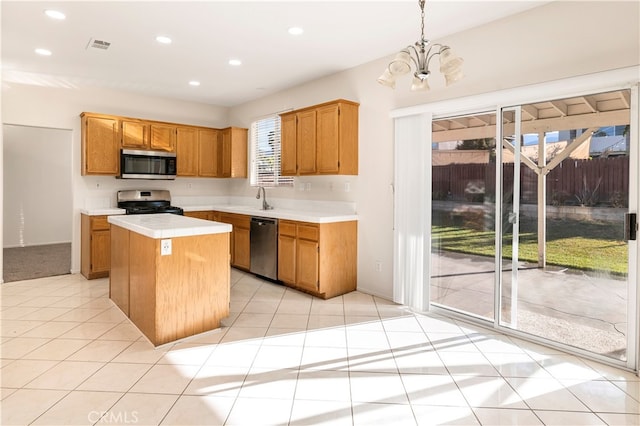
(203, 214)
(240, 239)
(318, 258)
(95, 248)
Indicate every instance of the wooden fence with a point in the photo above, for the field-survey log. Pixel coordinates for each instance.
(600, 181)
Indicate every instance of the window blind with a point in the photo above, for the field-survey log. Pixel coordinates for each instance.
(265, 153)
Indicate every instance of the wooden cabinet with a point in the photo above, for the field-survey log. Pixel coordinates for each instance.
(100, 145)
(200, 151)
(148, 135)
(207, 153)
(240, 239)
(203, 214)
(232, 153)
(135, 134)
(187, 151)
(162, 137)
(306, 142)
(318, 258)
(95, 237)
(322, 139)
(288, 150)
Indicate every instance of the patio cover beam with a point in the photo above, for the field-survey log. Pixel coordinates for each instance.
(568, 150)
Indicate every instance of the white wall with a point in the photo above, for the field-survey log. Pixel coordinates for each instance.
(558, 40)
(37, 186)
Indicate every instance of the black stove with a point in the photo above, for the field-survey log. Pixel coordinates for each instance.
(147, 202)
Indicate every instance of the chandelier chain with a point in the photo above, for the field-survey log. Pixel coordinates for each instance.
(421, 4)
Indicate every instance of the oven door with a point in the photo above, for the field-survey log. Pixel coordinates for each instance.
(136, 164)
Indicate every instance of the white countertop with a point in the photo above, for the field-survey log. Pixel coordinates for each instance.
(166, 225)
(277, 213)
(103, 211)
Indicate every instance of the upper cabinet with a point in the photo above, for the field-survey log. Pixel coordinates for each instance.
(187, 151)
(208, 148)
(146, 135)
(200, 151)
(135, 134)
(232, 153)
(322, 139)
(162, 137)
(100, 145)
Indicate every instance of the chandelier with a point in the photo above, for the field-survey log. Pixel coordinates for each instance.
(421, 54)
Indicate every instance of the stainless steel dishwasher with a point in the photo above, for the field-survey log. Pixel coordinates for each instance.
(264, 247)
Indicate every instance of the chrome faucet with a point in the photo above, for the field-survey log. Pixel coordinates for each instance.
(265, 205)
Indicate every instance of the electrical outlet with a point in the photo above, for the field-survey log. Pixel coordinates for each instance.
(378, 266)
(347, 187)
(165, 247)
(308, 186)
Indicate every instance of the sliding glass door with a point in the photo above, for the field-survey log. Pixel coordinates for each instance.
(531, 224)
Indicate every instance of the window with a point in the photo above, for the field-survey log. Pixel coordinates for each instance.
(265, 153)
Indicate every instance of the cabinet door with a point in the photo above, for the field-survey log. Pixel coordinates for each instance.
(100, 146)
(238, 154)
(288, 153)
(287, 259)
(135, 134)
(242, 248)
(205, 214)
(307, 264)
(100, 251)
(306, 142)
(187, 151)
(328, 139)
(208, 157)
(163, 137)
(224, 153)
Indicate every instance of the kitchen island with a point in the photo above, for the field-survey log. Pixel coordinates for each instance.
(170, 274)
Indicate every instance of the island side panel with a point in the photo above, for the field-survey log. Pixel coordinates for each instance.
(142, 278)
(338, 258)
(193, 286)
(119, 274)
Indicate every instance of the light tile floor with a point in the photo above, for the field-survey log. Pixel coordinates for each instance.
(69, 356)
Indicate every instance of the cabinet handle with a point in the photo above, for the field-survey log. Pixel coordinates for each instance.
(630, 226)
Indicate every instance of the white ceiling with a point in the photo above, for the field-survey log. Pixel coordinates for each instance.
(337, 35)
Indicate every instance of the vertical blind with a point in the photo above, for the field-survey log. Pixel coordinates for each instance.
(265, 153)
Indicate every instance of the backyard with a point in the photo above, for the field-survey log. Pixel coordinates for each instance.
(573, 244)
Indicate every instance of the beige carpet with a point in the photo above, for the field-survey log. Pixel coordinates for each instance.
(26, 263)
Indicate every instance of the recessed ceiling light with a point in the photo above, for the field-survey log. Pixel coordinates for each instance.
(54, 14)
(296, 31)
(43, 52)
(163, 39)
(194, 83)
(235, 62)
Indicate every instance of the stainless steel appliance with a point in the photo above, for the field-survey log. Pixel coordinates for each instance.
(137, 164)
(264, 247)
(147, 202)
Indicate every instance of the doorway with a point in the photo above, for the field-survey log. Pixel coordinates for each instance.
(37, 202)
(529, 234)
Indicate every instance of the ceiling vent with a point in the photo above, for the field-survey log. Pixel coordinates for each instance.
(98, 44)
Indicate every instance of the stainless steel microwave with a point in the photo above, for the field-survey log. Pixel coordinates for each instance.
(137, 164)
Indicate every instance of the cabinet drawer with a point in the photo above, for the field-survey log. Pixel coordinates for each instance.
(99, 223)
(236, 220)
(308, 232)
(287, 228)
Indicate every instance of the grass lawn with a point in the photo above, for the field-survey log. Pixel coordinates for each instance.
(588, 246)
